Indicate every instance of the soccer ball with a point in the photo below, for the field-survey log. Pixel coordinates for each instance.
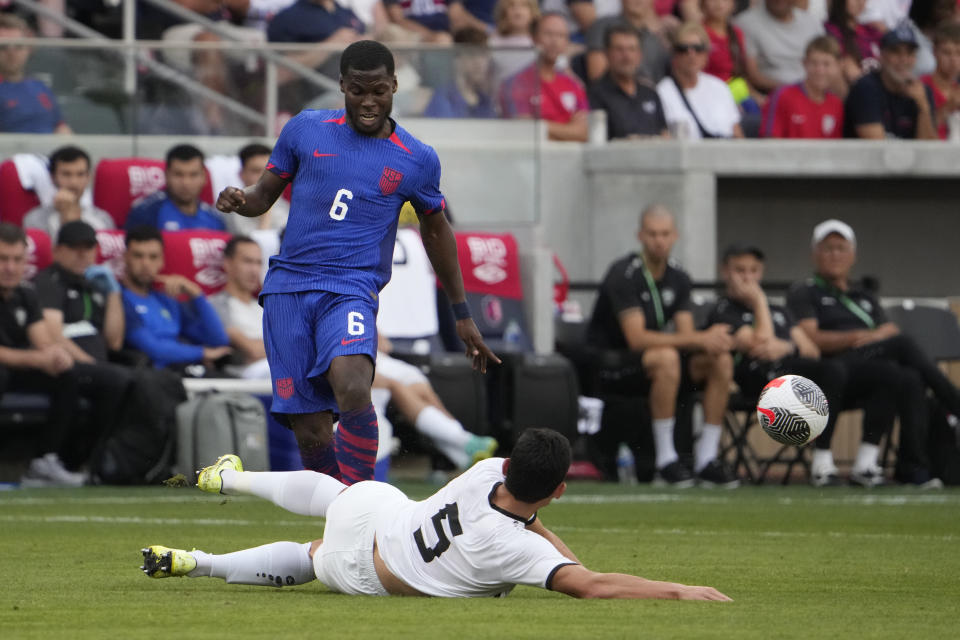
(792, 410)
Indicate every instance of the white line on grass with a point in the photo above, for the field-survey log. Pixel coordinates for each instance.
(877, 499)
(210, 522)
(766, 534)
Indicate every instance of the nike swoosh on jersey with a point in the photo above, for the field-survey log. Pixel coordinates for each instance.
(317, 154)
(345, 342)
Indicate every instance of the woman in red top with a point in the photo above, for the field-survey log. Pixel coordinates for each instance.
(728, 55)
(943, 81)
(860, 43)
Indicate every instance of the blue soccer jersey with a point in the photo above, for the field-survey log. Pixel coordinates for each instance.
(348, 190)
(28, 106)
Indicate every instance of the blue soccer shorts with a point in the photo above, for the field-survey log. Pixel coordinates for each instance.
(302, 333)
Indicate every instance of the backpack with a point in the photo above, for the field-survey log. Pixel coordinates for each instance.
(212, 424)
(140, 448)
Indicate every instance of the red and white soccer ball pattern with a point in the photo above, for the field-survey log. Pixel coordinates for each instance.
(792, 410)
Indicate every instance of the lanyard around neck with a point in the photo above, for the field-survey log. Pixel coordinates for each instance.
(845, 300)
(654, 291)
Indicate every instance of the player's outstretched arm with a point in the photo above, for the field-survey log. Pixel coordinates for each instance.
(538, 528)
(441, 247)
(578, 581)
(253, 201)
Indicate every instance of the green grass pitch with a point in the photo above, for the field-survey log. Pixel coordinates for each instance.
(798, 562)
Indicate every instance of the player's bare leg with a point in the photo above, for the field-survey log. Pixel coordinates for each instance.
(314, 434)
(357, 437)
(714, 371)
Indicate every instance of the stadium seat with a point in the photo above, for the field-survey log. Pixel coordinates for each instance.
(197, 255)
(119, 182)
(934, 328)
(490, 263)
(39, 252)
(110, 248)
(16, 200)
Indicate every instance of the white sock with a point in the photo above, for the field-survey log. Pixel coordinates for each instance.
(307, 493)
(663, 440)
(278, 564)
(866, 456)
(446, 433)
(708, 444)
(822, 461)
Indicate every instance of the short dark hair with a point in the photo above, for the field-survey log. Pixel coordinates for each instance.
(12, 234)
(538, 464)
(470, 35)
(366, 55)
(231, 249)
(252, 150)
(67, 154)
(143, 233)
(621, 29)
(183, 153)
(737, 250)
(947, 32)
(536, 22)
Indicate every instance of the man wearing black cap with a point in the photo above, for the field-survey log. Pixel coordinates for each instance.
(82, 307)
(81, 300)
(891, 102)
(768, 344)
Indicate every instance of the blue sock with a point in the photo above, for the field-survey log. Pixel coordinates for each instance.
(356, 444)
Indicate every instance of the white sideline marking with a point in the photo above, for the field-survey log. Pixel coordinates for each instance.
(211, 522)
(766, 534)
(144, 500)
(881, 499)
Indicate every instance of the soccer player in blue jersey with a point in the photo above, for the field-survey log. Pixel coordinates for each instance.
(351, 170)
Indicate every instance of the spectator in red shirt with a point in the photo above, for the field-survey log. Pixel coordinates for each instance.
(943, 81)
(727, 52)
(808, 109)
(543, 91)
(859, 43)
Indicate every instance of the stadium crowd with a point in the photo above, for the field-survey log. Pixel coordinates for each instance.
(713, 68)
(83, 332)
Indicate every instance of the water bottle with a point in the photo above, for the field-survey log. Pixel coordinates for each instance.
(626, 467)
(513, 336)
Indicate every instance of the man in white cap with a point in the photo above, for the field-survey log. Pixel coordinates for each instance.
(887, 374)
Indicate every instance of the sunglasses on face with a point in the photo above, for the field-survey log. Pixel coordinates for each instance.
(687, 48)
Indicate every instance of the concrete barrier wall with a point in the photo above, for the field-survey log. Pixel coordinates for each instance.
(583, 201)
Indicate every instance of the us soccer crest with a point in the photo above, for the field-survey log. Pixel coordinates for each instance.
(389, 180)
(285, 387)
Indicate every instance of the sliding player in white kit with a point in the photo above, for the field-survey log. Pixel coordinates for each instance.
(477, 536)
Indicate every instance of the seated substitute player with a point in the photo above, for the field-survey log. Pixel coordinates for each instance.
(172, 333)
(478, 536)
(769, 344)
(641, 294)
(178, 206)
(415, 399)
(237, 306)
(70, 172)
(352, 171)
(884, 367)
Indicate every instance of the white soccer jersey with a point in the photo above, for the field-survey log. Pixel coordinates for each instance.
(456, 543)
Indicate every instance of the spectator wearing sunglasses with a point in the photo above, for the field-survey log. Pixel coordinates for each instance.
(696, 104)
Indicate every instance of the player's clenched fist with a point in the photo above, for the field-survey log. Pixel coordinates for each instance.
(231, 199)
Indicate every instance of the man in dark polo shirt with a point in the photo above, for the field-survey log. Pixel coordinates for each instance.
(886, 371)
(769, 344)
(31, 361)
(82, 307)
(891, 102)
(644, 306)
(632, 104)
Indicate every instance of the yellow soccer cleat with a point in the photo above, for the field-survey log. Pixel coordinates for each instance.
(208, 478)
(480, 448)
(163, 562)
